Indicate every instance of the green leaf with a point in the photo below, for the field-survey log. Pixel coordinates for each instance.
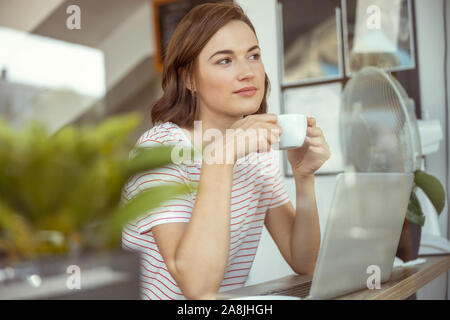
(114, 132)
(432, 187)
(71, 180)
(148, 159)
(143, 203)
(16, 228)
(414, 213)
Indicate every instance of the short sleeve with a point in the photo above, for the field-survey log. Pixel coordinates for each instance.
(177, 209)
(279, 193)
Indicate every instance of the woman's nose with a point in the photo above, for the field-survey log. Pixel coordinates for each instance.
(245, 71)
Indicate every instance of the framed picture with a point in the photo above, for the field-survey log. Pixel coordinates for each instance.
(323, 103)
(378, 33)
(310, 46)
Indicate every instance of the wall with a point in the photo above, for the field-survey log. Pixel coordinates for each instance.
(128, 44)
(25, 15)
(430, 47)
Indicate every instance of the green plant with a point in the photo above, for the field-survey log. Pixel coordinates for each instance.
(433, 189)
(62, 191)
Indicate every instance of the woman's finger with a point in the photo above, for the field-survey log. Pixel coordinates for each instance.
(314, 132)
(315, 141)
(321, 150)
(268, 117)
(311, 122)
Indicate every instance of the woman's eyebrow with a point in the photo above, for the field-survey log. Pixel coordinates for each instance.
(231, 51)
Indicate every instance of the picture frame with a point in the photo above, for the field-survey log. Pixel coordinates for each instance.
(314, 56)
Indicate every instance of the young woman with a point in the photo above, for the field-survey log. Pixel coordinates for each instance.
(199, 244)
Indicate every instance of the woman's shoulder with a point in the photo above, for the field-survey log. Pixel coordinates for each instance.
(160, 134)
(165, 133)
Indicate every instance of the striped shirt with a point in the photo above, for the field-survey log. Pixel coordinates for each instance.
(257, 186)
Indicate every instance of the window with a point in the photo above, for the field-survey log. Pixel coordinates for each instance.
(324, 42)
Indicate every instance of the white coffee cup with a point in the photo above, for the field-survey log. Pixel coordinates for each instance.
(294, 128)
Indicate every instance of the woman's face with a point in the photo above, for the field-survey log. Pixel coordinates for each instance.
(229, 62)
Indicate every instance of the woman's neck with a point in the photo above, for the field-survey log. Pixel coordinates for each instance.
(206, 123)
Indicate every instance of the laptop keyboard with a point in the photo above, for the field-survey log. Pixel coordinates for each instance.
(300, 291)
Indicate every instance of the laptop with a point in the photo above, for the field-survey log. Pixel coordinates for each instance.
(362, 233)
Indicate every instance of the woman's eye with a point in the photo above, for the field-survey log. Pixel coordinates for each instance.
(256, 55)
(220, 62)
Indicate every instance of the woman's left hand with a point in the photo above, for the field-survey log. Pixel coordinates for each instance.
(312, 155)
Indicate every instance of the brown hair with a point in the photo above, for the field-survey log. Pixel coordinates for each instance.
(178, 103)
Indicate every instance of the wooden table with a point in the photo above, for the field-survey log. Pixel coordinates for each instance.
(404, 282)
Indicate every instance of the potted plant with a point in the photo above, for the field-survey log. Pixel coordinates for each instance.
(409, 243)
(60, 194)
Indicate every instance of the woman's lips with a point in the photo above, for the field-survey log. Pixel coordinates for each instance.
(246, 93)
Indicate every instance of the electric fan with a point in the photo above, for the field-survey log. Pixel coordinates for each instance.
(379, 132)
(378, 126)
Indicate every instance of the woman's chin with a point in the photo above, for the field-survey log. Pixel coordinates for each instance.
(246, 110)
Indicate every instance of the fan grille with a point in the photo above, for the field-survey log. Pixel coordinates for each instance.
(376, 127)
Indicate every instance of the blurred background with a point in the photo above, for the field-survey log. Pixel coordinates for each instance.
(61, 75)
(67, 62)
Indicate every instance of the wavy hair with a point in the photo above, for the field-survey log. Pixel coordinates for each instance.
(178, 104)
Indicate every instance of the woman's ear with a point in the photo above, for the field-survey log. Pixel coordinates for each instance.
(190, 86)
(188, 80)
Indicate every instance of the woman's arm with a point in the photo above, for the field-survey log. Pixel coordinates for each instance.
(196, 254)
(305, 239)
(296, 232)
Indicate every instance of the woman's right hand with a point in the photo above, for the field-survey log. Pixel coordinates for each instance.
(254, 133)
